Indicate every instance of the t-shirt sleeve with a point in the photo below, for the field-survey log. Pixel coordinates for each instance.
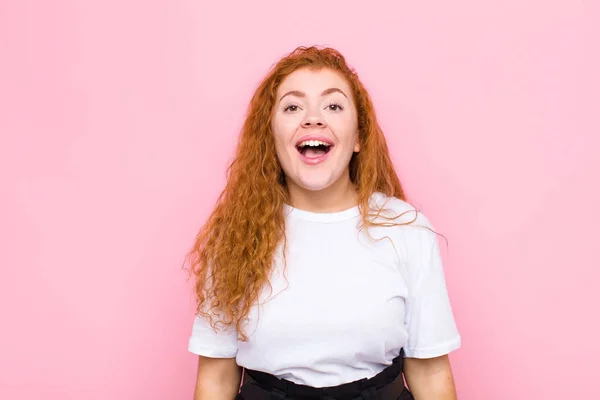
(207, 342)
(431, 327)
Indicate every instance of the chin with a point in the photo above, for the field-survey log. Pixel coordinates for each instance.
(314, 188)
(314, 185)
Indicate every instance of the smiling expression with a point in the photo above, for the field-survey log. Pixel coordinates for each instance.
(315, 127)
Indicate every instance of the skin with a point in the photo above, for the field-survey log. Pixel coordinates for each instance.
(430, 378)
(320, 103)
(217, 379)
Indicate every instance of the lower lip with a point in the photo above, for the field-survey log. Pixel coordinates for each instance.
(315, 160)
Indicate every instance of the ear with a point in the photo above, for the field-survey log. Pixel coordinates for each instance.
(357, 144)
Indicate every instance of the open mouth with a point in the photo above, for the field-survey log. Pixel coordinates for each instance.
(313, 148)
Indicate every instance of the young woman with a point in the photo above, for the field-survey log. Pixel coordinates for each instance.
(314, 275)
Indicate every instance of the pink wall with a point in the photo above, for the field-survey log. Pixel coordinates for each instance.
(118, 119)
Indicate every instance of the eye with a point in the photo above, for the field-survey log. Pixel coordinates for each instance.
(291, 108)
(335, 107)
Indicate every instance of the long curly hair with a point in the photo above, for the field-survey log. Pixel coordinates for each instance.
(233, 253)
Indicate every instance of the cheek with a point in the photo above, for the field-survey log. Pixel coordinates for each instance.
(276, 132)
(346, 129)
(281, 138)
(283, 132)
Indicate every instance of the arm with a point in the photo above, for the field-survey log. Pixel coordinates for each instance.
(430, 378)
(217, 379)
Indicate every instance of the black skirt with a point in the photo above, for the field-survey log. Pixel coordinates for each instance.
(387, 385)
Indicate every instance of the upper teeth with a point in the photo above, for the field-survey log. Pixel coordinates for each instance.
(313, 143)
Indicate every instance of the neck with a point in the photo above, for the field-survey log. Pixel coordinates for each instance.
(340, 196)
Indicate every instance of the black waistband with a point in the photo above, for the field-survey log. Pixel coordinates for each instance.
(347, 390)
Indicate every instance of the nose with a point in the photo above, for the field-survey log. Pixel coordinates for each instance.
(313, 120)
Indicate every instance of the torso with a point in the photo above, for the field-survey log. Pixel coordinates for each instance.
(340, 314)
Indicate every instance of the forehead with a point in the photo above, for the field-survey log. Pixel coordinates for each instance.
(313, 82)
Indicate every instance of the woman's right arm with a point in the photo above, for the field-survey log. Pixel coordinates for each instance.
(217, 379)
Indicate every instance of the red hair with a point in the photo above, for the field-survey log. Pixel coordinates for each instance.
(233, 252)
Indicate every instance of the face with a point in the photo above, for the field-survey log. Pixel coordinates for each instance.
(315, 127)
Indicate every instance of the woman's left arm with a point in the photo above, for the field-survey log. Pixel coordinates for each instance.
(430, 378)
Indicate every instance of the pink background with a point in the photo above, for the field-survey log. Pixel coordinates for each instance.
(118, 119)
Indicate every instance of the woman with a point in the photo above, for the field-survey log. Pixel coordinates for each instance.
(313, 273)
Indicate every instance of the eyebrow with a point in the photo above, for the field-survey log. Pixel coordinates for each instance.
(326, 92)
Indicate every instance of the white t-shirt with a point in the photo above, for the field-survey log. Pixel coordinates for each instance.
(347, 304)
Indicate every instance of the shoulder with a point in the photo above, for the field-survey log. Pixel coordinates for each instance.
(411, 232)
(389, 209)
(407, 226)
